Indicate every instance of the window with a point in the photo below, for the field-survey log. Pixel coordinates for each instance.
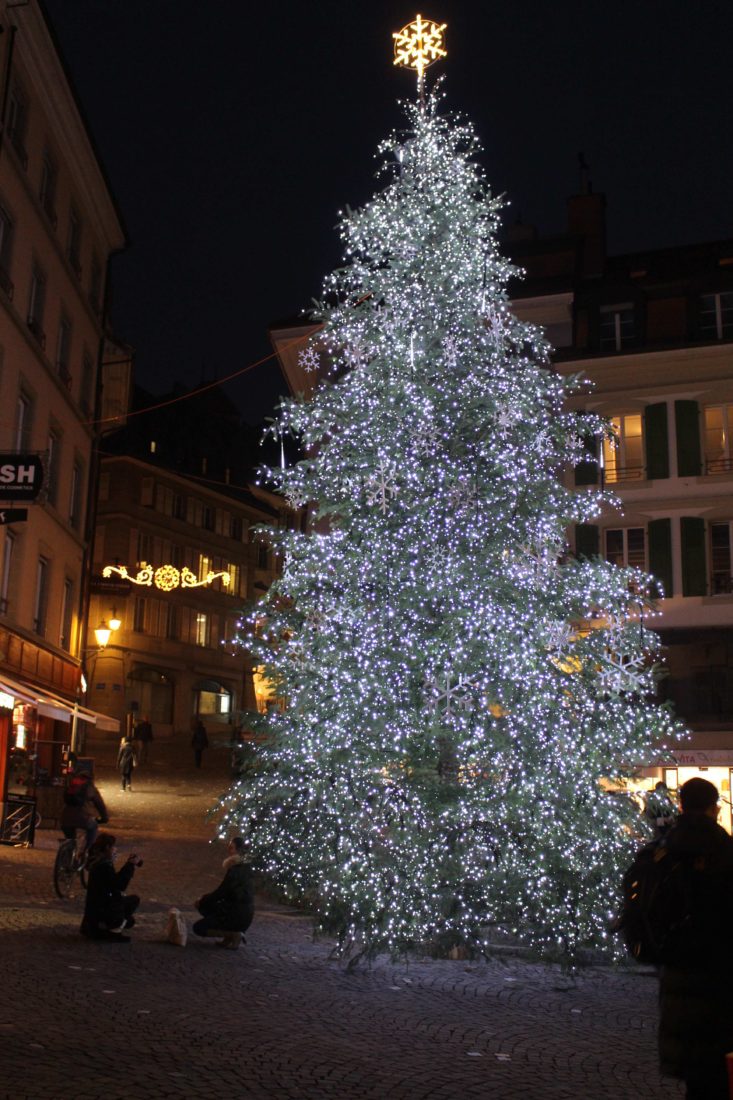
(235, 528)
(95, 284)
(172, 626)
(18, 122)
(720, 547)
(23, 422)
(716, 316)
(262, 556)
(47, 189)
(85, 391)
(235, 579)
(6, 245)
(37, 304)
(718, 421)
(63, 350)
(75, 493)
(204, 566)
(617, 327)
(73, 241)
(208, 518)
(212, 698)
(138, 620)
(179, 507)
(67, 611)
(52, 474)
(8, 549)
(623, 458)
(144, 547)
(41, 600)
(202, 628)
(626, 546)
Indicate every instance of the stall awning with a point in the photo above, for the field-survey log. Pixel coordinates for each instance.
(52, 706)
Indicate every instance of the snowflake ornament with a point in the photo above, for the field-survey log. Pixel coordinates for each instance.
(425, 440)
(309, 360)
(559, 635)
(450, 347)
(462, 496)
(449, 695)
(381, 487)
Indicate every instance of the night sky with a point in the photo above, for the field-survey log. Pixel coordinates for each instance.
(233, 132)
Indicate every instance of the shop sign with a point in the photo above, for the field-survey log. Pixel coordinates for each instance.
(13, 515)
(21, 476)
(695, 758)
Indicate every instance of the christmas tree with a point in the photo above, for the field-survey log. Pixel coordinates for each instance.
(462, 698)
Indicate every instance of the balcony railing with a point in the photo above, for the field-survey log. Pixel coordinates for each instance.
(616, 474)
(718, 465)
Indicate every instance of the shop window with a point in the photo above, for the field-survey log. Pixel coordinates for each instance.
(623, 455)
(720, 558)
(716, 316)
(626, 546)
(617, 327)
(718, 421)
(212, 699)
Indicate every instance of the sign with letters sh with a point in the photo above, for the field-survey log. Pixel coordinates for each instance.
(21, 476)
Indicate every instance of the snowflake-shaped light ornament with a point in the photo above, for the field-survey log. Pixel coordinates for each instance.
(309, 360)
(450, 695)
(418, 45)
(462, 495)
(451, 349)
(381, 486)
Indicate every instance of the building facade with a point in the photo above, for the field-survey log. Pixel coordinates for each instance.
(59, 225)
(182, 562)
(653, 332)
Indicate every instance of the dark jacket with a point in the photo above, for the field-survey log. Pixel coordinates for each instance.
(696, 1006)
(143, 731)
(104, 894)
(126, 758)
(90, 804)
(232, 904)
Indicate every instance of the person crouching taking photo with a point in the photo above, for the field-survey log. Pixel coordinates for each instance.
(108, 910)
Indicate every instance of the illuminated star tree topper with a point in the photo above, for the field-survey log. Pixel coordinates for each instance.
(418, 45)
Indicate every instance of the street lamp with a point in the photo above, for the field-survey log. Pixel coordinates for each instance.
(104, 631)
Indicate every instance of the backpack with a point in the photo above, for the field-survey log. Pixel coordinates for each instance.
(657, 915)
(76, 791)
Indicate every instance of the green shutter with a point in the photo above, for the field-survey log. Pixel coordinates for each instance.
(687, 423)
(657, 440)
(694, 568)
(586, 472)
(586, 540)
(659, 534)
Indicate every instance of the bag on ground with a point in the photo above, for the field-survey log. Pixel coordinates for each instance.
(176, 930)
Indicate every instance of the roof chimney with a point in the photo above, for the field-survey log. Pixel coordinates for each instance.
(587, 222)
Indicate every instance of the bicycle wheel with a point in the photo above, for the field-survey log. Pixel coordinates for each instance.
(64, 871)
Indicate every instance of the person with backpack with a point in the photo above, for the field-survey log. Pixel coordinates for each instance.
(79, 795)
(680, 894)
(126, 761)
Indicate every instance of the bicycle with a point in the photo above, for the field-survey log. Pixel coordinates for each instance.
(70, 863)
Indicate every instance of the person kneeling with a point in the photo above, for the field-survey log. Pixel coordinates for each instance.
(228, 910)
(108, 910)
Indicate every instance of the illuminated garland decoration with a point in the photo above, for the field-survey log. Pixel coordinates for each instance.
(165, 577)
(443, 769)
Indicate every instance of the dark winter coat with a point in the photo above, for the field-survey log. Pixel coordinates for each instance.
(696, 1006)
(143, 731)
(104, 903)
(232, 904)
(126, 758)
(89, 804)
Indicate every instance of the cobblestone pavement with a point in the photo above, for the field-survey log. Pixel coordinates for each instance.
(280, 1018)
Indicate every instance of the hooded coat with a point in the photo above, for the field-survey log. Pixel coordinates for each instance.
(231, 905)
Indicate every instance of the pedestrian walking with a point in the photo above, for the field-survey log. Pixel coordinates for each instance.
(659, 809)
(696, 1007)
(199, 742)
(126, 761)
(228, 910)
(108, 909)
(143, 735)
